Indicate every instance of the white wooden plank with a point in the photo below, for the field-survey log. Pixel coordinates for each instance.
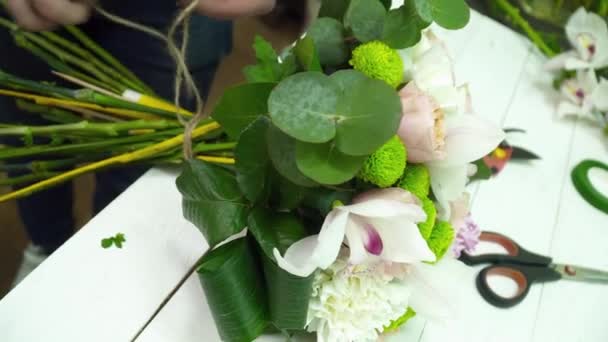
(572, 311)
(86, 293)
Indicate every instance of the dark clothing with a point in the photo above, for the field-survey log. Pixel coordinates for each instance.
(48, 215)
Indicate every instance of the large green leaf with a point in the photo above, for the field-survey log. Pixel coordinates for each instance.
(241, 105)
(231, 279)
(450, 14)
(366, 19)
(402, 26)
(275, 230)
(268, 68)
(328, 35)
(303, 106)
(306, 55)
(286, 194)
(253, 161)
(387, 4)
(423, 8)
(325, 164)
(334, 9)
(282, 151)
(348, 78)
(324, 198)
(369, 116)
(212, 200)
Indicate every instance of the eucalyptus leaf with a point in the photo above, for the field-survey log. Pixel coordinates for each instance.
(325, 164)
(241, 105)
(423, 8)
(348, 78)
(328, 36)
(366, 19)
(232, 282)
(282, 151)
(387, 4)
(303, 106)
(370, 113)
(306, 54)
(212, 200)
(333, 9)
(252, 160)
(450, 14)
(403, 26)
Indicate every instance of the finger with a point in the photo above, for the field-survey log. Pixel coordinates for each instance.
(230, 9)
(64, 12)
(26, 17)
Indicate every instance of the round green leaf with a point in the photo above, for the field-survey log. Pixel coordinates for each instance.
(333, 9)
(423, 8)
(450, 14)
(282, 151)
(402, 27)
(369, 116)
(325, 164)
(328, 35)
(366, 19)
(253, 161)
(346, 79)
(304, 107)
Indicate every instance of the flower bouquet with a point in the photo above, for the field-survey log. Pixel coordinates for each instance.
(348, 193)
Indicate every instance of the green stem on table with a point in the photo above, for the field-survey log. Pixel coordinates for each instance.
(85, 54)
(513, 13)
(29, 178)
(104, 55)
(52, 114)
(105, 129)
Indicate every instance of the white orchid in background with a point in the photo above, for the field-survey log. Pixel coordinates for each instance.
(380, 225)
(438, 126)
(588, 34)
(584, 96)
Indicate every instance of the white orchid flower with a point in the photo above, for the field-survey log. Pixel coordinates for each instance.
(588, 34)
(584, 97)
(461, 136)
(380, 224)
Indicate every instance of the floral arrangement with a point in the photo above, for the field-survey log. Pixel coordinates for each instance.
(353, 151)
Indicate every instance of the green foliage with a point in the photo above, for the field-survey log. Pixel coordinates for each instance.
(403, 26)
(212, 200)
(253, 161)
(450, 14)
(230, 277)
(366, 19)
(426, 227)
(441, 238)
(328, 36)
(274, 230)
(268, 69)
(307, 55)
(347, 79)
(323, 199)
(399, 322)
(325, 164)
(377, 60)
(385, 166)
(282, 151)
(242, 105)
(334, 9)
(483, 171)
(416, 180)
(118, 240)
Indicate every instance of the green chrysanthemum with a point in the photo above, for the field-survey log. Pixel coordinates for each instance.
(426, 228)
(399, 322)
(441, 239)
(385, 166)
(416, 179)
(377, 60)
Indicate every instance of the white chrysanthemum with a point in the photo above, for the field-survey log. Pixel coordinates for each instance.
(354, 303)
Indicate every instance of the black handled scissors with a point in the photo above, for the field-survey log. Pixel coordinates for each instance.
(524, 268)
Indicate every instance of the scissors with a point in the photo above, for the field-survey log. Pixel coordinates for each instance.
(524, 268)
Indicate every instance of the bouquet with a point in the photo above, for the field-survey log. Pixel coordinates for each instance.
(353, 149)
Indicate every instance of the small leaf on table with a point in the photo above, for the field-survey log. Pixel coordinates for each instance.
(212, 200)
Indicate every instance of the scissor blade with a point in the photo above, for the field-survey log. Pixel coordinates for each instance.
(578, 273)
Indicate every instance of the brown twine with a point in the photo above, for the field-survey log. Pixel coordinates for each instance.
(182, 73)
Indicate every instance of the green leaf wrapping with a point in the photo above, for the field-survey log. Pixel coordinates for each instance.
(212, 200)
(231, 279)
(253, 162)
(242, 105)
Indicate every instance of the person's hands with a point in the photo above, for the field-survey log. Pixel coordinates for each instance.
(231, 9)
(40, 15)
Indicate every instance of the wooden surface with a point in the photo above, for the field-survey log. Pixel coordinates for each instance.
(112, 293)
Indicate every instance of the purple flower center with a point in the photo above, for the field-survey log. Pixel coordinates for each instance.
(373, 242)
(591, 49)
(580, 94)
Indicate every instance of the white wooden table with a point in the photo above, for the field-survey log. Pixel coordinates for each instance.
(86, 293)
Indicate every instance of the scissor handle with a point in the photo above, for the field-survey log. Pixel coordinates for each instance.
(523, 276)
(515, 253)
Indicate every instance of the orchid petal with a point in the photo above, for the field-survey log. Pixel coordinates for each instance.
(600, 96)
(448, 184)
(386, 208)
(583, 23)
(559, 62)
(567, 108)
(358, 254)
(319, 251)
(393, 194)
(402, 241)
(434, 69)
(468, 138)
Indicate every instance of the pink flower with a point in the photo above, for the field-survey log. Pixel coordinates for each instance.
(421, 128)
(467, 237)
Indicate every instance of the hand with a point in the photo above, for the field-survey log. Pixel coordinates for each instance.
(231, 9)
(41, 15)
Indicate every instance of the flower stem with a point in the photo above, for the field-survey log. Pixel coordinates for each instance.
(48, 113)
(126, 158)
(106, 129)
(513, 13)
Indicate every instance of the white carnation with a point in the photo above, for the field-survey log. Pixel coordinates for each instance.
(354, 303)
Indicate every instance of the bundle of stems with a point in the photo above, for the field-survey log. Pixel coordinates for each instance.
(112, 119)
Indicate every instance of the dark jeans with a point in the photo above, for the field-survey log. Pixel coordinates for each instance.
(48, 215)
